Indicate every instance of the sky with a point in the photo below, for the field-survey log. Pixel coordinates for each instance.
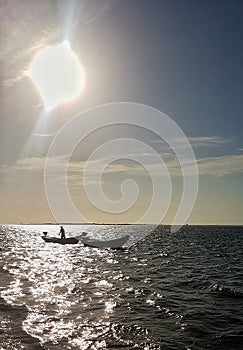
(183, 58)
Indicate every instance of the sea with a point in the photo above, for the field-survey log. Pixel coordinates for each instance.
(165, 290)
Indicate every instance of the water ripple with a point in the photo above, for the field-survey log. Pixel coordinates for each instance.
(168, 291)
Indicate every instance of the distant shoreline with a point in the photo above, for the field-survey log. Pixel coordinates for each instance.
(110, 224)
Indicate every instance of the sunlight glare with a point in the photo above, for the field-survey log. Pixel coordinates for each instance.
(57, 74)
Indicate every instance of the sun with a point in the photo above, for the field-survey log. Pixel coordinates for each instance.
(57, 74)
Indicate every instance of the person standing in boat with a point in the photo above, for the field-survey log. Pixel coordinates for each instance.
(62, 232)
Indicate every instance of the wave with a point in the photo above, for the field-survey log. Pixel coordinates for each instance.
(225, 291)
(12, 317)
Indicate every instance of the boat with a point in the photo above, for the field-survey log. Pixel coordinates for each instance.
(113, 243)
(70, 240)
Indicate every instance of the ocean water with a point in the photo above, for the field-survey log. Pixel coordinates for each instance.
(180, 290)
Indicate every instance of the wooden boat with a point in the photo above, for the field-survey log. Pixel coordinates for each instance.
(70, 240)
(113, 244)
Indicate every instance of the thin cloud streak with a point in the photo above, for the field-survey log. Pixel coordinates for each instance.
(207, 141)
(220, 166)
(215, 166)
(44, 135)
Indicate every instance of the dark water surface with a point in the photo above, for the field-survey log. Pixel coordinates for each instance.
(177, 291)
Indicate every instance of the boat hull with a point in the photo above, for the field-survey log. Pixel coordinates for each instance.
(113, 244)
(70, 240)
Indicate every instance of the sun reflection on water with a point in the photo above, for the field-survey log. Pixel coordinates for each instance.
(71, 292)
(66, 290)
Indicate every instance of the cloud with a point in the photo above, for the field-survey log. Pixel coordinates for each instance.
(32, 163)
(196, 142)
(3, 169)
(220, 166)
(44, 135)
(215, 166)
(208, 141)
